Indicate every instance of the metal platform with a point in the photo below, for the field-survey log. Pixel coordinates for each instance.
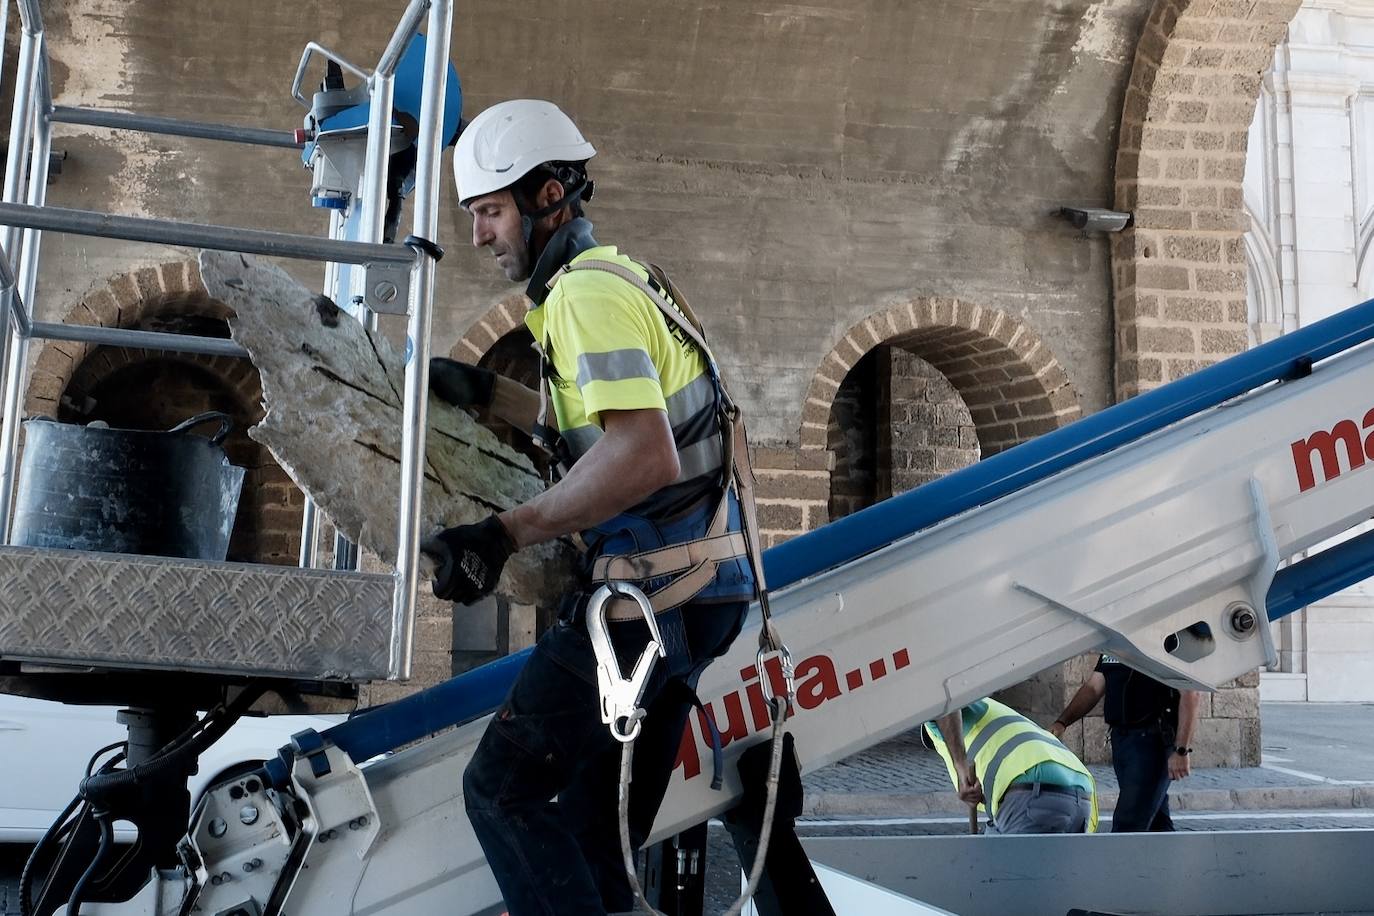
(117, 611)
(82, 612)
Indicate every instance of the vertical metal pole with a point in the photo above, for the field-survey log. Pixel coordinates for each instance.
(381, 89)
(4, 29)
(17, 368)
(15, 353)
(426, 225)
(21, 126)
(310, 519)
(372, 220)
(16, 167)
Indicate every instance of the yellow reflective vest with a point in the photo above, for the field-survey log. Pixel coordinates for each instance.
(1003, 744)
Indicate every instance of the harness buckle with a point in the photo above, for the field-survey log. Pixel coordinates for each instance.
(620, 696)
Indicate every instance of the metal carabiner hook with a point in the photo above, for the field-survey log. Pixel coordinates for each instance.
(620, 696)
(789, 673)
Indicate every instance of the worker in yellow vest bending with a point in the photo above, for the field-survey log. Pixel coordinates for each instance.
(1021, 775)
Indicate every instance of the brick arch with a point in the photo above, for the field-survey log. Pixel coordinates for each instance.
(171, 297)
(498, 321)
(1179, 272)
(1014, 386)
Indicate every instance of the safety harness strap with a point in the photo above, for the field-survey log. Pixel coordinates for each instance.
(735, 448)
(669, 560)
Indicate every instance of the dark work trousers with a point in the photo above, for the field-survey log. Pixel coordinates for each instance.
(547, 741)
(1140, 757)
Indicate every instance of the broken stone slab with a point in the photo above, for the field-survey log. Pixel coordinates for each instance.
(333, 392)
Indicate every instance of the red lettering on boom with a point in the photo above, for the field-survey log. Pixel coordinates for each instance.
(1327, 446)
(817, 682)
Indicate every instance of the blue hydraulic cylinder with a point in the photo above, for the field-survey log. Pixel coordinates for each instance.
(1321, 575)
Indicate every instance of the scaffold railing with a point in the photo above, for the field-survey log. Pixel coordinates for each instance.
(28, 574)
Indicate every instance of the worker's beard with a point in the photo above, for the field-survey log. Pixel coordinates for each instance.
(516, 261)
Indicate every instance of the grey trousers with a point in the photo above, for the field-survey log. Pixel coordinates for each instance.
(1035, 809)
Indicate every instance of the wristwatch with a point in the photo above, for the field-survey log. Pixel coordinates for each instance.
(1183, 751)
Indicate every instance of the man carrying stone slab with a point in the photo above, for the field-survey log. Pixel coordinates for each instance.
(647, 447)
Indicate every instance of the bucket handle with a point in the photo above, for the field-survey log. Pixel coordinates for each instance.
(226, 424)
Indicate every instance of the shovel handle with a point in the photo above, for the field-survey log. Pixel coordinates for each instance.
(973, 809)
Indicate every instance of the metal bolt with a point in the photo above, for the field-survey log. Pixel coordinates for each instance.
(252, 864)
(218, 827)
(385, 291)
(357, 823)
(248, 814)
(1243, 620)
(216, 880)
(226, 877)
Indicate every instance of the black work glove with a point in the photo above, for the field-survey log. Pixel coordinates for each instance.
(469, 559)
(460, 384)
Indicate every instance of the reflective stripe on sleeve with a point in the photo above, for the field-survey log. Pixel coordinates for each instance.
(614, 366)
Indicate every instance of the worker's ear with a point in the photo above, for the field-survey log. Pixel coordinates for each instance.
(549, 194)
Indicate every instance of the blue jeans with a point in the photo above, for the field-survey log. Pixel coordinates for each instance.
(1140, 757)
(547, 741)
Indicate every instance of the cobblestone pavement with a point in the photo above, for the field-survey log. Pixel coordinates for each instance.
(1315, 756)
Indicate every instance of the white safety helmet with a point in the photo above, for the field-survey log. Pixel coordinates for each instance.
(509, 140)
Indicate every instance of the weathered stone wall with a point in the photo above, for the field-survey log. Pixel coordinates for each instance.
(795, 167)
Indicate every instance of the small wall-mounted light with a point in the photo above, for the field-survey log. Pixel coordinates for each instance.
(1096, 219)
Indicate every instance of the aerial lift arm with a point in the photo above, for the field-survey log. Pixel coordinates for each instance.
(1153, 529)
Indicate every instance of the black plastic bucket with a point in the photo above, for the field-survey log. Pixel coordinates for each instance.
(167, 494)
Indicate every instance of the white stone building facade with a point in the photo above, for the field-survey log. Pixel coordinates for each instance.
(1309, 193)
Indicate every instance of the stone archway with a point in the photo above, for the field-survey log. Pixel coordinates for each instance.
(1014, 386)
(135, 388)
(498, 321)
(1179, 273)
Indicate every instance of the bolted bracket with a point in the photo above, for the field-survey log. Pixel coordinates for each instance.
(386, 288)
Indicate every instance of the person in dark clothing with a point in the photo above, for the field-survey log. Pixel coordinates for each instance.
(1152, 727)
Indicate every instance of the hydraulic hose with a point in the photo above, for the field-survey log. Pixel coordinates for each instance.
(193, 742)
(54, 833)
(106, 842)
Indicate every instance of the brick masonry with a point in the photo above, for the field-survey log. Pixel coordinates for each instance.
(896, 423)
(142, 389)
(1012, 384)
(1179, 272)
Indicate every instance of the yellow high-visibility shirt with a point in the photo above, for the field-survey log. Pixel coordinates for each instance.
(609, 347)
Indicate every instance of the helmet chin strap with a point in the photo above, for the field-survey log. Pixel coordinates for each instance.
(581, 191)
